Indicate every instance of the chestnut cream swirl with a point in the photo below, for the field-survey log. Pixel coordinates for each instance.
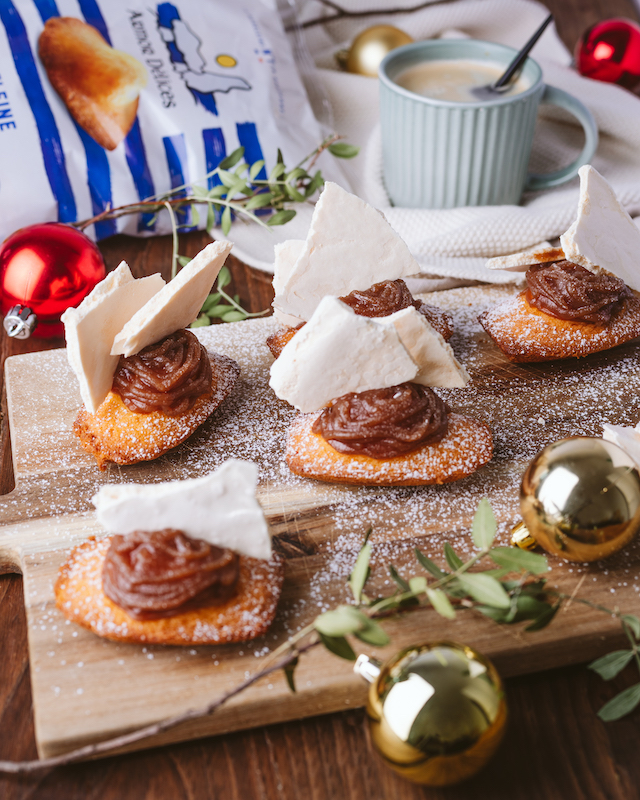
(568, 291)
(384, 423)
(387, 297)
(167, 376)
(152, 575)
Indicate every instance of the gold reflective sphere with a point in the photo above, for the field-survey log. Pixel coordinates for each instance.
(580, 498)
(371, 46)
(437, 713)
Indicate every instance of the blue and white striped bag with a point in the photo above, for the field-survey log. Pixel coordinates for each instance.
(220, 74)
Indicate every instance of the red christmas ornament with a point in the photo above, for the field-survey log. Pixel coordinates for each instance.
(45, 269)
(610, 51)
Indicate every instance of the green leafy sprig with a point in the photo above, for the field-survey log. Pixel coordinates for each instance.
(220, 305)
(239, 191)
(610, 665)
(521, 596)
(510, 592)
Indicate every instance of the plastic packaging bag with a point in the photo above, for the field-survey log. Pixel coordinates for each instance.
(192, 81)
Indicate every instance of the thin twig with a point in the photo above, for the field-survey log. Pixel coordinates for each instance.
(343, 13)
(170, 200)
(283, 656)
(109, 745)
(315, 156)
(174, 240)
(574, 592)
(173, 202)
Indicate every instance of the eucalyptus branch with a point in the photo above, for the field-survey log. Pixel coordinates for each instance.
(315, 155)
(177, 203)
(214, 308)
(232, 302)
(238, 191)
(439, 584)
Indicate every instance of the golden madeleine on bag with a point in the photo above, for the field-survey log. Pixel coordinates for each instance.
(98, 84)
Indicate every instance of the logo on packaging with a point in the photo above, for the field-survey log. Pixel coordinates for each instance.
(184, 51)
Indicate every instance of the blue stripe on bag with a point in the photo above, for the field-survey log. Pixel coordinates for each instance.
(98, 171)
(52, 153)
(167, 12)
(215, 149)
(99, 180)
(248, 138)
(206, 100)
(46, 9)
(93, 16)
(140, 172)
(133, 145)
(176, 151)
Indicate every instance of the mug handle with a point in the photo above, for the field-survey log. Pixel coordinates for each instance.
(558, 97)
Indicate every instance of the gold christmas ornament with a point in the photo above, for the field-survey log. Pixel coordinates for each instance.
(580, 498)
(371, 46)
(436, 711)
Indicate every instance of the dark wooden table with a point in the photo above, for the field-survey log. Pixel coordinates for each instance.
(556, 746)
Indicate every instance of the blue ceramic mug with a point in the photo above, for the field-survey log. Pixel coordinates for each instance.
(444, 154)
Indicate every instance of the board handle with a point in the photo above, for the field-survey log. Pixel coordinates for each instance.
(10, 560)
(9, 565)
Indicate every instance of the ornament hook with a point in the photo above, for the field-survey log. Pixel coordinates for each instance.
(520, 537)
(367, 668)
(20, 322)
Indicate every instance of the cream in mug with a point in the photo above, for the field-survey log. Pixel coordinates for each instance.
(447, 79)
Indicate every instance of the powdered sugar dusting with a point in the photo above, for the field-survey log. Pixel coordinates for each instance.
(465, 448)
(526, 334)
(319, 527)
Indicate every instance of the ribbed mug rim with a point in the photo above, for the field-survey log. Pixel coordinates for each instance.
(401, 53)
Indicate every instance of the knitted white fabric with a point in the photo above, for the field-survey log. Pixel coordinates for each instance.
(455, 243)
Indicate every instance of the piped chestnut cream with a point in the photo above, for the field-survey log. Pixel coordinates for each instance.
(384, 423)
(167, 376)
(568, 291)
(153, 575)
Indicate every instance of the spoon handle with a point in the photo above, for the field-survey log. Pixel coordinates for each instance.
(515, 66)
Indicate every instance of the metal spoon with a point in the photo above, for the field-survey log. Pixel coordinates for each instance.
(512, 72)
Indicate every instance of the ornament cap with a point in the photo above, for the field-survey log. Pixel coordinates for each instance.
(367, 668)
(20, 322)
(520, 537)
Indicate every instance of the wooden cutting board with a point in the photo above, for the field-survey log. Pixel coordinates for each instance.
(87, 689)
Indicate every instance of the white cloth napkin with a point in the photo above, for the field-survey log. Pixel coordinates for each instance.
(454, 244)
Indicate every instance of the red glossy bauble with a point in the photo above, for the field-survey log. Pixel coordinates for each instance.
(48, 268)
(610, 51)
